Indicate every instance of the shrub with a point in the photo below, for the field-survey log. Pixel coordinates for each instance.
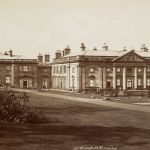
(14, 108)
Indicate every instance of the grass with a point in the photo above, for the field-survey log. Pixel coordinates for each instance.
(75, 124)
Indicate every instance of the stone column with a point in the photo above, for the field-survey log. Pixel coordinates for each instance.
(144, 78)
(124, 78)
(104, 77)
(12, 74)
(67, 77)
(114, 77)
(135, 78)
(79, 78)
(100, 78)
(83, 77)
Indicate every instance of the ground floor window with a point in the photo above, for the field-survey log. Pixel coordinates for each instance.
(8, 79)
(148, 81)
(30, 83)
(129, 83)
(91, 82)
(139, 82)
(118, 82)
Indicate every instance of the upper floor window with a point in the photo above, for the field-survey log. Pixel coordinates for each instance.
(108, 69)
(45, 70)
(148, 81)
(148, 69)
(73, 70)
(64, 69)
(129, 70)
(30, 68)
(20, 68)
(139, 69)
(25, 68)
(60, 69)
(57, 69)
(91, 69)
(54, 69)
(118, 69)
(8, 68)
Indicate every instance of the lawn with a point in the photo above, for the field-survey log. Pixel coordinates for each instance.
(76, 125)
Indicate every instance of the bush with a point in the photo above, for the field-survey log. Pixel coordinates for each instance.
(14, 108)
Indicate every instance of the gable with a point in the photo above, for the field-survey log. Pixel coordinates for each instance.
(130, 57)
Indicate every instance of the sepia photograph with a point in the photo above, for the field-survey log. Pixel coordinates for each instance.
(74, 75)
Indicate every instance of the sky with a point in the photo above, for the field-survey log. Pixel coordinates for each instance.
(30, 27)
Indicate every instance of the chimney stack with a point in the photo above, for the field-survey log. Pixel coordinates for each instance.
(95, 49)
(10, 53)
(58, 54)
(66, 51)
(40, 58)
(124, 48)
(83, 47)
(144, 48)
(105, 47)
(47, 58)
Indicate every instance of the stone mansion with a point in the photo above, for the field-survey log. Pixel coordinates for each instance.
(77, 71)
(101, 69)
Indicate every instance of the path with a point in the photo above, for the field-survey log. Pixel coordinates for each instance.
(92, 101)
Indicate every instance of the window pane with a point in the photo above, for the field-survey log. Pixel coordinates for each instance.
(91, 69)
(91, 83)
(7, 68)
(7, 79)
(25, 68)
(108, 69)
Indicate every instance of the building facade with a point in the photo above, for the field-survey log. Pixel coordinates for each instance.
(102, 69)
(20, 72)
(44, 72)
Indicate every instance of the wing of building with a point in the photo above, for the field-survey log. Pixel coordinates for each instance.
(101, 69)
(20, 72)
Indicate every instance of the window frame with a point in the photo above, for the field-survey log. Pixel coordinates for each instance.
(148, 82)
(8, 68)
(92, 83)
(108, 69)
(129, 70)
(139, 69)
(25, 68)
(118, 70)
(118, 80)
(139, 80)
(7, 79)
(91, 69)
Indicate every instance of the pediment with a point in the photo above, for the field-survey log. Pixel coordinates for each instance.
(130, 57)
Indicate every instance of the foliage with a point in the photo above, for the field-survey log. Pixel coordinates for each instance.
(14, 108)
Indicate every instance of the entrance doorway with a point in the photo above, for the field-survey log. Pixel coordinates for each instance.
(129, 83)
(25, 84)
(108, 83)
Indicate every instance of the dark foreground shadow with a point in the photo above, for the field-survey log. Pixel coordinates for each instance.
(58, 135)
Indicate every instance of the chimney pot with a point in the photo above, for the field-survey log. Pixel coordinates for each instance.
(144, 48)
(40, 58)
(58, 54)
(11, 53)
(83, 47)
(105, 47)
(95, 49)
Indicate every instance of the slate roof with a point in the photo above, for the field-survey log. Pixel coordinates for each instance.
(108, 53)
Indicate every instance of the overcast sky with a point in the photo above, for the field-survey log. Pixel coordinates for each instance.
(32, 26)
